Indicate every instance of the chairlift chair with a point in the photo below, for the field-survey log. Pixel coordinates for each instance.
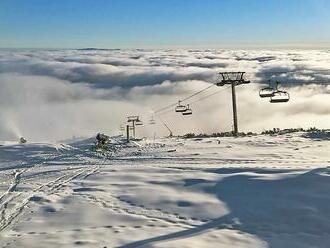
(152, 120)
(280, 96)
(180, 108)
(138, 123)
(188, 111)
(266, 92)
(269, 90)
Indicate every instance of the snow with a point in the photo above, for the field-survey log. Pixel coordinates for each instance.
(257, 191)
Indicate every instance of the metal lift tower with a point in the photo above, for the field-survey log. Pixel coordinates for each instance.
(234, 79)
(135, 120)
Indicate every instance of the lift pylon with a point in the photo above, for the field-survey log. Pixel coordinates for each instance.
(135, 120)
(234, 79)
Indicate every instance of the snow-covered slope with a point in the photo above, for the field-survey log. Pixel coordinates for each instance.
(255, 191)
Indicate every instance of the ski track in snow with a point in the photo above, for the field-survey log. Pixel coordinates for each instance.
(177, 197)
(20, 200)
(53, 186)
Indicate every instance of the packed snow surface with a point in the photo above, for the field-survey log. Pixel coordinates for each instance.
(258, 191)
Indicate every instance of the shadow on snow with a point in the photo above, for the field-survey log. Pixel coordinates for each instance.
(296, 206)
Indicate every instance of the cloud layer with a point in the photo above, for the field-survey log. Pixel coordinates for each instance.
(55, 94)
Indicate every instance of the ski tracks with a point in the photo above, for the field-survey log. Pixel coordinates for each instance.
(20, 200)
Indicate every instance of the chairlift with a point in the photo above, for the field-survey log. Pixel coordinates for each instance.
(138, 123)
(152, 120)
(188, 111)
(266, 92)
(180, 108)
(279, 96)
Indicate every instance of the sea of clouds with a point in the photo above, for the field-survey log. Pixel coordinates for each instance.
(58, 94)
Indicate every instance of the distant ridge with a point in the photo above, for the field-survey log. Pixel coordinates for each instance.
(97, 49)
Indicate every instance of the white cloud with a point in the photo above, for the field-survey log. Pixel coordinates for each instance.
(54, 94)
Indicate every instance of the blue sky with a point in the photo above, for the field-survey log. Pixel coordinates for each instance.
(164, 23)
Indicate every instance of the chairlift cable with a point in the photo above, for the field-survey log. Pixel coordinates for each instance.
(185, 99)
(198, 100)
(207, 96)
(164, 112)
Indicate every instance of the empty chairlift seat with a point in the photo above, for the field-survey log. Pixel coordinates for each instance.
(138, 123)
(280, 96)
(152, 120)
(266, 92)
(188, 111)
(180, 108)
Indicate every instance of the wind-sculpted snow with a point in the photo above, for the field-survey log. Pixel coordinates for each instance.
(55, 94)
(256, 191)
